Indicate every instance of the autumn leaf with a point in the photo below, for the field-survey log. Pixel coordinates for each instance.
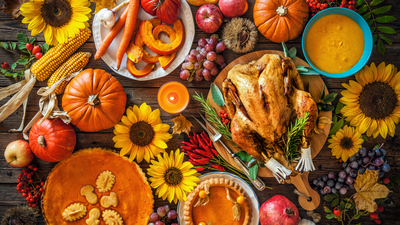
(181, 125)
(368, 190)
(12, 7)
(100, 4)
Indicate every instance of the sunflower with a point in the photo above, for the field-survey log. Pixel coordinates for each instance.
(345, 143)
(141, 133)
(172, 177)
(58, 19)
(372, 103)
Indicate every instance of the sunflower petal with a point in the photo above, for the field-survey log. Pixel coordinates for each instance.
(153, 116)
(122, 128)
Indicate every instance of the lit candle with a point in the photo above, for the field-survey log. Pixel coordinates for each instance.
(173, 97)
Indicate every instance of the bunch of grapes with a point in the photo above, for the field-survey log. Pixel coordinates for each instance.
(204, 62)
(374, 159)
(31, 190)
(164, 216)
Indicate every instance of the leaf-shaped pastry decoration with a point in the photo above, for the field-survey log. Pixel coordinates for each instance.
(100, 4)
(236, 209)
(181, 125)
(74, 212)
(368, 190)
(112, 217)
(217, 95)
(105, 181)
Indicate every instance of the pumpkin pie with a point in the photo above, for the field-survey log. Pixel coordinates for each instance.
(97, 185)
(217, 207)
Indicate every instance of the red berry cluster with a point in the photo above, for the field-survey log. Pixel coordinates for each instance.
(224, 117)
(31, 190)
(317, 5)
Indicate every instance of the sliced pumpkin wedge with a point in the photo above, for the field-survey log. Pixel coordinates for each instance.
(139, 73)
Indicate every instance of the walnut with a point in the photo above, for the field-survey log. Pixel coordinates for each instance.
(112, 217)
(94, 216)
(108, 201)
(105, 181)
(74, 212)
(88, 192)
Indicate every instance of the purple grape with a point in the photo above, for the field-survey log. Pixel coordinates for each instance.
(344, 165)
(206, 72)
(351, 159)
(353, 173)
(214, 71)
(187, 65)
(331, 175)
(187, 58)
(378, 162)
(365, 160)
(359, 161)
(338, 185)
(315, 182)
(220, 60)
(202, 42)
(159, 223)
(220, 47)
(327, 189)
(197, 65)
(381, 174)
(208, 64)
(200, 57)
(209, 47)
(208, 77)
(211, 56)
(349, 180)
(357, 155)
(203, 51)
(161, 211)
(199, 72)
(354, 165)
(172, 214)
(371, 167)
(362, 151)
(184, 74)
(194, 52)
(362, 170)
(213, 41)
(330, 183)
(198, 78)
(222, 66)
(343, 190)
(192, 58)
(167, 208)
(154, 217)
(386, 168)
(198, 48)
(333, 190)
(342, 174)
(377, 152)
(383, 152)
(322, 191)
(321, 184)
(325, 178)
(341, 180)
(348, 168)
(371, 153)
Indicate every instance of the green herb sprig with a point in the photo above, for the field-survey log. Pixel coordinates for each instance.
(25, 60)
(294, 137)
(370, 12)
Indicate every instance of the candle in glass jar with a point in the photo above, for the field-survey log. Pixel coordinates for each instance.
(173, 97)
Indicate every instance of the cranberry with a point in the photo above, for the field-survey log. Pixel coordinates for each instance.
(38, 55)
(5, 65)
(36, 49)
(29, 46)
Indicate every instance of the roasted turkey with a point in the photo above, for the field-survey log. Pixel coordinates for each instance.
(262, 99)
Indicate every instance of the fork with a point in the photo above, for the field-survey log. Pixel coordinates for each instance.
(216, 136)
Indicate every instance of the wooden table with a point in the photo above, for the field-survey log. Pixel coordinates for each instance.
(139, 92)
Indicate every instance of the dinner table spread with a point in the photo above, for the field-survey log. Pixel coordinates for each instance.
(157, 90)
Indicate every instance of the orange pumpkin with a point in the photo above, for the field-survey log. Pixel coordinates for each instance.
(94, 100)
(280, 20)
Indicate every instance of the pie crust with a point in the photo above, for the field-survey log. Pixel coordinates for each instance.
(227, 219)
(63, 185)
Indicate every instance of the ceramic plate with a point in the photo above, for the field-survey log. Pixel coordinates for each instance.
(100, 32)
(255, 206)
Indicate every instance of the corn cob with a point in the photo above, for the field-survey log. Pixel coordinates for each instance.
(76, 62)
(49, 63)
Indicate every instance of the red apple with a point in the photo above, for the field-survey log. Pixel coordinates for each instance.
(233, 8)
(18, 154)
(209, 18)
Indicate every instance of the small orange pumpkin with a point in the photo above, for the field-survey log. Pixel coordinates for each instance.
(94, 100)
(280, 20)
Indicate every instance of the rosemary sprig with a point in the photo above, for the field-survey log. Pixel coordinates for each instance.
(294, 136)
(213, 117)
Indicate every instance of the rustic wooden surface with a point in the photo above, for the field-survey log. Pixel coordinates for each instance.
(139, 92)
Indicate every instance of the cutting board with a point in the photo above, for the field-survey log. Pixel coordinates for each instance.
(314, 85)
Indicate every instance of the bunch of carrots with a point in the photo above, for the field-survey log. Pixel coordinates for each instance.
(127, 19)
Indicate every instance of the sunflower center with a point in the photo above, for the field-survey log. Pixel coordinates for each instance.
(346, 143)
(377, 100)
(142, 133)
(173, 176)
(56, 13)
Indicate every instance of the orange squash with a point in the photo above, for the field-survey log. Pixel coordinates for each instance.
(280, 20)
(139, 73)
(94, 100)
(165, 60)
(146, 56)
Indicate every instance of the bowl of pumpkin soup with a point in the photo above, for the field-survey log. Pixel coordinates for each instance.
(337, 42)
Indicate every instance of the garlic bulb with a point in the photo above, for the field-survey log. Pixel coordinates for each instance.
(306, 222)
(108, 16)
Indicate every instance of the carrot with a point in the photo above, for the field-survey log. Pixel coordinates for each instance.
(128, 30)
(111, 35)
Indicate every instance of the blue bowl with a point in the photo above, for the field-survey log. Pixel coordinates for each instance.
(368, 41)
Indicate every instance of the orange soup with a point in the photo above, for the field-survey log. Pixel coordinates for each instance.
(335, 43)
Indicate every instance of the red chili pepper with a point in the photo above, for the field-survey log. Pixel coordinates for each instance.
(202, 144)
(205, 136)
(200, 169)
(210, 144)
(187, 148)
(215, 152)
(193, 139)
(193, 155)
(204, 153)
(218, 167)
(194, 146)
(200, 161)
(194, 163)
(186, 143)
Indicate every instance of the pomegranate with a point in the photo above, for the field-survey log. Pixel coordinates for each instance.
(279, 210)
